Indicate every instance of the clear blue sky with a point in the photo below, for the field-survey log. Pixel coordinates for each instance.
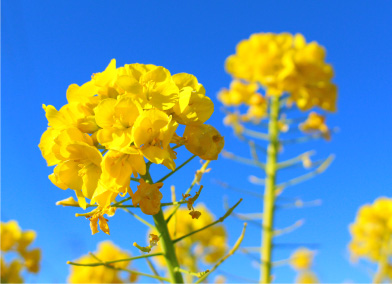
(48, 45)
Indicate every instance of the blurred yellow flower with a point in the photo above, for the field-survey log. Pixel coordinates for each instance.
(372, 231)
(106, 251)
(302, 259)
(16, 241)
(10, 235)
(283, 63)
(316, 123)
(307, 277)
(239, 93)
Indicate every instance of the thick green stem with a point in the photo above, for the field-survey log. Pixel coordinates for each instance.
(167, 243)
(269, 193)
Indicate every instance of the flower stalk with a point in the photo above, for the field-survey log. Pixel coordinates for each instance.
(167, 244)
(269, 193)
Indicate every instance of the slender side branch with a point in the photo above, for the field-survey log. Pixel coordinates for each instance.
(242, 160)
(115, 261)
(152, 267)
(299, 204)
(140, 218)
(221, 219)
(241, 190)
(177, 168)
(307, 138)
(256, 134)
(108, 265)
(310, 175)
(295, 160)
(231, 252)
(195, 179)
(289, 229)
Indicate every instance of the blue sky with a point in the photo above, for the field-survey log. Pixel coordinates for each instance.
(48, 45)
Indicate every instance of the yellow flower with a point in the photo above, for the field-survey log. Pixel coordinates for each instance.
(70, 201)
(14, 240)
(204, 141)
(32, 259)
(71, 115)
(239, 93)
(107, 251)
(26, 238)
(316, 123)
(372, 231)
(116, 118)
(105, 82)
(153, 85)
(152, 133)
(148, 197)
(193, 107)
(307, 277)
(12, 273)
(117, 168)
(286, 63)
(234, 120)
(302, 259)
(80, 168)
(10, 235)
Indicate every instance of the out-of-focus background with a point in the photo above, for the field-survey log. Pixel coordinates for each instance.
(48, 45)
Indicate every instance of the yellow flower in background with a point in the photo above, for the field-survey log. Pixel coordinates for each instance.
(10, 235)
(302, 259)
(239, 93)
(372, 231)
(106, 251)
(12, 273)
(283, 63)
(306, 277)
(316, 123)
(17, 242)
(148, 197)
(193, 107)
(204, 141)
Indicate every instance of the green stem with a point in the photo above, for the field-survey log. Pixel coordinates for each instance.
(167, 243)
(269, 192)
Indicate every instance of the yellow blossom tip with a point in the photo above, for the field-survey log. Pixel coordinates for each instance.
(68, 262)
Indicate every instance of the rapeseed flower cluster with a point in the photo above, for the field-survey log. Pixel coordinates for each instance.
(106, 251)
(208, 245)
(281, 64)
(372, 232)
(302, 261)
(119, 120)
(14, 240)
